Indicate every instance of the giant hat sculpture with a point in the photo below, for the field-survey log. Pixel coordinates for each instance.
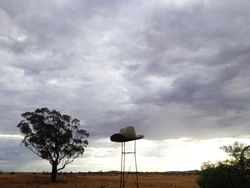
(125, 135)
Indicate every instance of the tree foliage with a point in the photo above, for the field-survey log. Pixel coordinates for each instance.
(240, 155)
(53, 136)
(232, 173)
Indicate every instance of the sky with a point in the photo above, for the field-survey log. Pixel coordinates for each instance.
(176, 70)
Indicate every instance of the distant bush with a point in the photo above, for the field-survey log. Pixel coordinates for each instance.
(234, 173)
(223, 175)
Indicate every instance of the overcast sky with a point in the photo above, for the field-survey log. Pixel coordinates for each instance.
(177, 70)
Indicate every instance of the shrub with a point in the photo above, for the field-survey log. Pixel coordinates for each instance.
(233, 173)
(222, 175)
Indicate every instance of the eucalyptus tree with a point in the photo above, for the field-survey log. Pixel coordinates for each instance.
(53, 136)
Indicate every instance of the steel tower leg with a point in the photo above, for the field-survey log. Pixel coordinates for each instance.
(123, 165)
(136, 172)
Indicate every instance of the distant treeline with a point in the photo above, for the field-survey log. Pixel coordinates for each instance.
(105, 173)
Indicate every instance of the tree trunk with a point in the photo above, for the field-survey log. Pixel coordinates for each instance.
(54, 173)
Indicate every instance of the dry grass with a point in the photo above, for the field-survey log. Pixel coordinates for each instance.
(78, 180)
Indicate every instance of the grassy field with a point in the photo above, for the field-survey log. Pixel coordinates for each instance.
(89, 180)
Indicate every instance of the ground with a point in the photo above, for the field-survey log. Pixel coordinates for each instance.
(96, 180)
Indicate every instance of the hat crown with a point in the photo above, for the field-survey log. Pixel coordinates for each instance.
(128, 132)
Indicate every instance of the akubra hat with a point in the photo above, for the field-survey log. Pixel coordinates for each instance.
(125, 135)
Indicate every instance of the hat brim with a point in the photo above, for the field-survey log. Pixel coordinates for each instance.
(121, 138)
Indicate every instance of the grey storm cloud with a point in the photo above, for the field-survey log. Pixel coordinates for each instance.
(171, 69)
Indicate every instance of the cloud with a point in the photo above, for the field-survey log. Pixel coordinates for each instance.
(170, 68)
(178, 53)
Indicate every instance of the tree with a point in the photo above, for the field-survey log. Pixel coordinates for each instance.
(232, 173)
(240, 154)
(54, 137)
